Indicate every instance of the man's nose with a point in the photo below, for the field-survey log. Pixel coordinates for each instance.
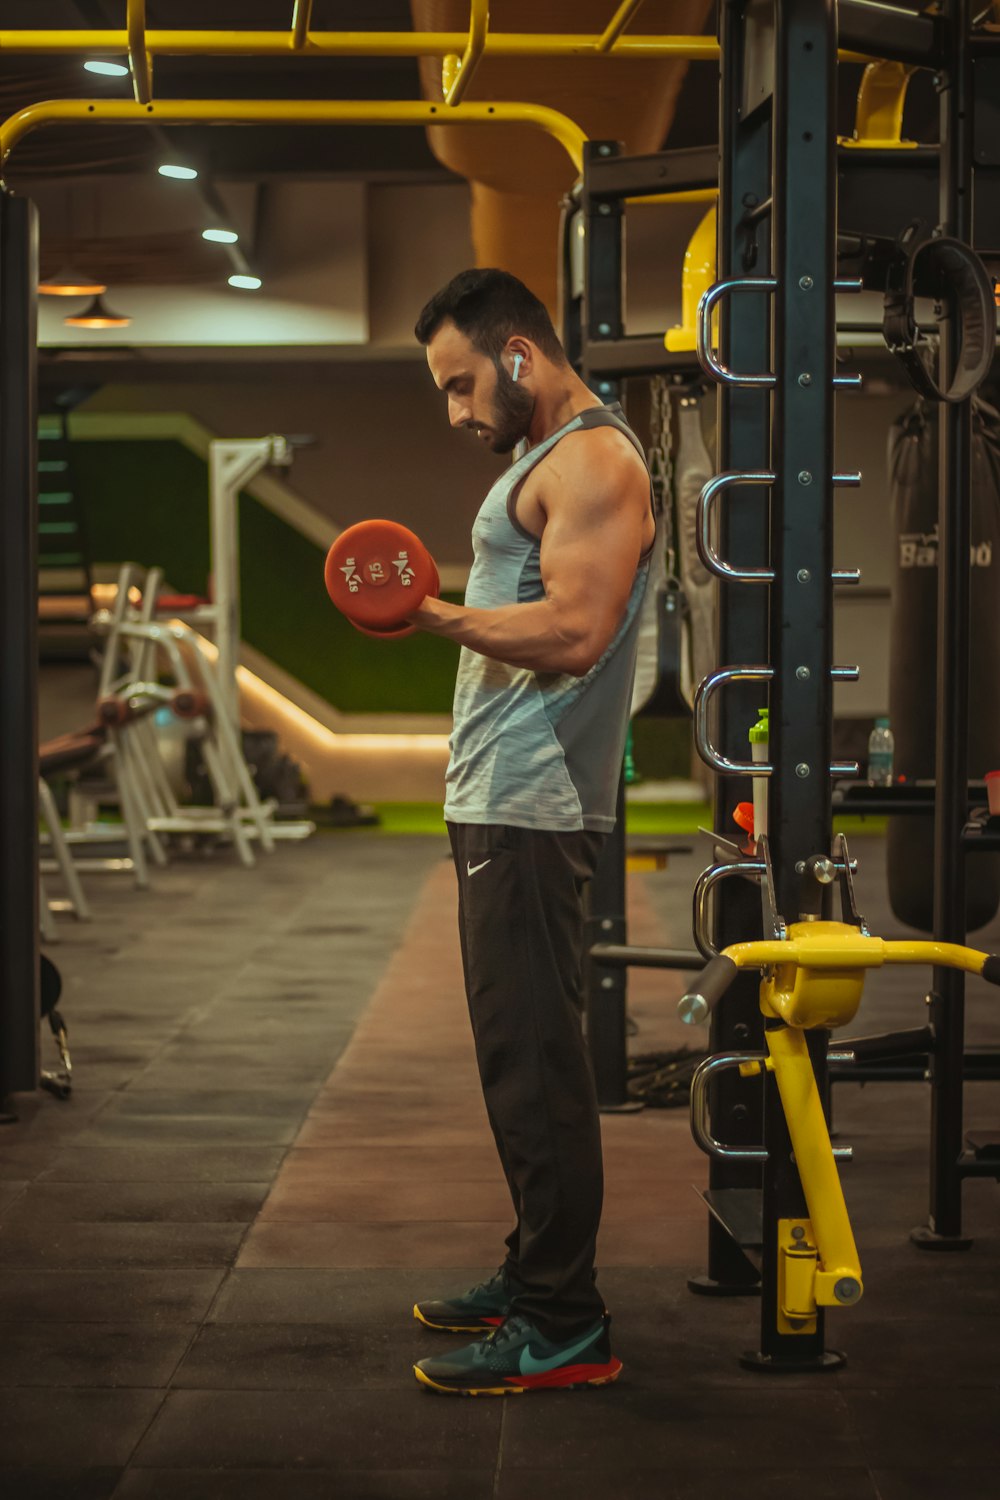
(459, 412)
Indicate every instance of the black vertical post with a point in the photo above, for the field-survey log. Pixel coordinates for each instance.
(744, 443)
(606, 988)
(603, 311)
(947, 1010)
(801, 597)
(19, 961)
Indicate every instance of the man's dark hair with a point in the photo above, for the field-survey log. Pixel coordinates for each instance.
(490, 307)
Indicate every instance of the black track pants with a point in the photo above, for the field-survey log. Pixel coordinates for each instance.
(521, 925)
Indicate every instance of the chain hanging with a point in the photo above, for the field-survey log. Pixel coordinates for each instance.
(661, 464)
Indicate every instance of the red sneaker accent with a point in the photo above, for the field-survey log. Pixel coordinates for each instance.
(568, 1375)
(494, 1322)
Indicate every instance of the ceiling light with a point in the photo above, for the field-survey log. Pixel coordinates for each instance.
(96, 315)
(107, 69)
(183, 174)
(249, 283)
(71, 282)
(220, 236)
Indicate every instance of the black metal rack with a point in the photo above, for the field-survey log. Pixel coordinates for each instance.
(779, 173)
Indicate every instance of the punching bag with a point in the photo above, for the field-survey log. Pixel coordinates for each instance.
(913, 478)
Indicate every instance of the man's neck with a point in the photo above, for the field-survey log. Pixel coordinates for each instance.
(559, 403)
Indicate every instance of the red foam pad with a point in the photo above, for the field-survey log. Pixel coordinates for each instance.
(377, 572)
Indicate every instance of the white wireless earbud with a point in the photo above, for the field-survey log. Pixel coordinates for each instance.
(518, 362)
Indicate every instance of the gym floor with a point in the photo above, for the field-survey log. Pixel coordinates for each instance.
(275, 1144)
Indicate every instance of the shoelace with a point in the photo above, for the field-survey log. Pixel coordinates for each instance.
(497, 1337)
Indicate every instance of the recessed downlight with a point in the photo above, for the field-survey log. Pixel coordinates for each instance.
(220, 236)
(248, 283)
(183, 174)
(107, 69)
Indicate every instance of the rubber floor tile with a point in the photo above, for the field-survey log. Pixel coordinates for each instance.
(286, 1104)
(148, 1297)
(417, 1244)
(343, 1124)
(85, 1354)
(119, 1246)
(388, 1201)
(80, 1428)
(936, 1483)
(10, 1193)
(389, 1163)
(301, 1357)
(319, 1430)
(356, 1298)
(212, 1164)
(270, 1484)
(59, 1484)
(944, 1351)
(903, 1428)
(22, 1163)
(130, 1131)
(630, 1426)
(649, 1241)
(693, 1484)
(198, 1068)
(141, 1202)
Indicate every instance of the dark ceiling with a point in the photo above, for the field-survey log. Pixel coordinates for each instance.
(303, 151)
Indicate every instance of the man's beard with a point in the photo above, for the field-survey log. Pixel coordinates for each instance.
(513, 408)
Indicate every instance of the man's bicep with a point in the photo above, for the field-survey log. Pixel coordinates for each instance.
(589, 554)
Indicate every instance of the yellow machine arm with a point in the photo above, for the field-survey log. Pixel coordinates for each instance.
(811, 980)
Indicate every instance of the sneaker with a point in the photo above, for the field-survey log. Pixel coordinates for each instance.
(478, 1310)
(515, 1358)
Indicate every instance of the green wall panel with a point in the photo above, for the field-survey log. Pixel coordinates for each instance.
(147, 502)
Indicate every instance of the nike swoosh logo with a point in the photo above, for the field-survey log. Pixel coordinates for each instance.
(532, 1366)
(473, 868)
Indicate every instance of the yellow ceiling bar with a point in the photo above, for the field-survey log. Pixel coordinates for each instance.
(139, 59)
(617, 24)
(290, 112)
(301, 16)
(479, 23)
(356, 44)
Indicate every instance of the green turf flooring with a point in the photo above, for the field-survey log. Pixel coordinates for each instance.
(645, 818)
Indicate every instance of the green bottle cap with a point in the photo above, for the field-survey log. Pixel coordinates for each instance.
(882, 723)
(759, 732)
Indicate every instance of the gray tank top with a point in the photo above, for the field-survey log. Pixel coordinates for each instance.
(533, 749)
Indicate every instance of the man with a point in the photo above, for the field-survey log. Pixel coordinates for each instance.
(548, 636)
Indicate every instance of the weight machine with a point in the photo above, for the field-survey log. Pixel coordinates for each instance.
(779, 169)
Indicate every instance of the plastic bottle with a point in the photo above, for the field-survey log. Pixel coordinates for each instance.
(758, 752)
(880, 753)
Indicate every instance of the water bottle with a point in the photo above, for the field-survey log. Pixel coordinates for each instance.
(758, 753)
(880, 751)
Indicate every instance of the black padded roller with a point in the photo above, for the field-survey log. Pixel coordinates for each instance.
(991, 969)
(704, 995)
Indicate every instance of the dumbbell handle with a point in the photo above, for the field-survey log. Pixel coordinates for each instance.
(708, 989)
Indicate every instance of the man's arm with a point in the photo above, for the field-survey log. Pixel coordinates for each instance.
(595, 502)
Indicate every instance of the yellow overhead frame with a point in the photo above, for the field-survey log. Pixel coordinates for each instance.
(139, 60)
(460, 69)
(188, 43)
(301, 16)
(290, 112)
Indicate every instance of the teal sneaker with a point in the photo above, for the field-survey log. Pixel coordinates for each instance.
(515, 1358)
(479, 1310)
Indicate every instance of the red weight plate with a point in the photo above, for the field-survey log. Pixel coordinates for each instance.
(395, 634)
(377, 572)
